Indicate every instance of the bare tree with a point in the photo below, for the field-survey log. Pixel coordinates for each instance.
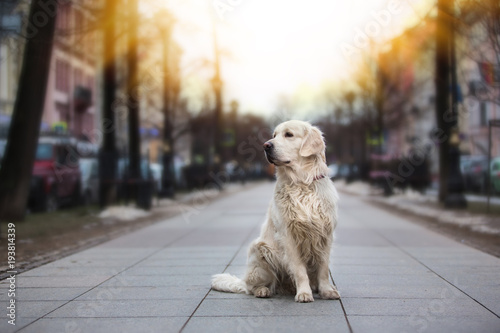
(478, 24)
(15, 173)
(108, 155)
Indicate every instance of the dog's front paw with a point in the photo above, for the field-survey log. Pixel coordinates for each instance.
(262, 292)
(329, 294)
(304, 298)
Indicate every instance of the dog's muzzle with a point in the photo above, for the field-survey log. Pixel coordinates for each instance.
(268, 149)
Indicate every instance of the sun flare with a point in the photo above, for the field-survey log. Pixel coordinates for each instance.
(271, 48)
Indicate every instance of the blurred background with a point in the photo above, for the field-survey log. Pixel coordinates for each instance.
(117, 101)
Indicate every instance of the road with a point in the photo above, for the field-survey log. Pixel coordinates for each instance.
(393, 275)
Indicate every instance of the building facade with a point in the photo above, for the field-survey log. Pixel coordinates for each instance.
(71, 101)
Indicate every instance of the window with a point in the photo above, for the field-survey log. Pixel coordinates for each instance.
(63, 110)
(90, 82)
(43, 152)
(63, 17)
(62, 75)
(78, 77)
(79, 21)
(90, 43)
(483, 114)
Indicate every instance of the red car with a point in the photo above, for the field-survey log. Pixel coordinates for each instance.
(56, 178)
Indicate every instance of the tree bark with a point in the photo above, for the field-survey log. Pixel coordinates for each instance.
(442, 80)
(17, 165)
(133, 98)
(108, 155)
(218, 112)
(168, 109)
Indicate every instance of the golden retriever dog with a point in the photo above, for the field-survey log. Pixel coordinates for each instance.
(291, 255)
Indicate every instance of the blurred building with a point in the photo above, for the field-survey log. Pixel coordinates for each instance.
(70, 101)
(479, 74)
(71, 91)
(406, 76)
(11, 48)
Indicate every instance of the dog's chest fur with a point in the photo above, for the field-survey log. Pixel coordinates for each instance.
(308, 218)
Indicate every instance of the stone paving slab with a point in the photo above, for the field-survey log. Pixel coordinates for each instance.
(47, 294)
(60, 282)
(139, 270)
(251, 306)
(145, 293)
(20, 322)
(267, 324)
(393, 275)
(418, 323)
(116, 308)
(109, 325)
(69, 271)
(158, 280)
(447, 307)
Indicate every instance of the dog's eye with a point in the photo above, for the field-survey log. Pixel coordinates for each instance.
(274, 135)
(288, 135)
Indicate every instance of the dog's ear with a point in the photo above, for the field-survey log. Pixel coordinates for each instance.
(313, 143)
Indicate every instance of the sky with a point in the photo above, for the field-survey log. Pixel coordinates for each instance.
(275, 48)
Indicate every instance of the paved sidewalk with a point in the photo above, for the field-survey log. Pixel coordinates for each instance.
(393, 275)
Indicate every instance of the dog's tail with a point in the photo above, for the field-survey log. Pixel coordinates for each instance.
(229, 283)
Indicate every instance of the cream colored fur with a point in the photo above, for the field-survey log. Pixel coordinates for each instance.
(291, 255)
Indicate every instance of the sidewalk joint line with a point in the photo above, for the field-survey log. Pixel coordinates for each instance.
(229, 264)
(111, 277)
(341, 303)
(450, 283)
(420, 262)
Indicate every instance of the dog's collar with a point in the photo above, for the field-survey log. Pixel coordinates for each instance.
(319, 177)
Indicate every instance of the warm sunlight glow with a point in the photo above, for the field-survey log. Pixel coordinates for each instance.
(271, 48)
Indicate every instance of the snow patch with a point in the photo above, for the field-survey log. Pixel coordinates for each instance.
(123, 213)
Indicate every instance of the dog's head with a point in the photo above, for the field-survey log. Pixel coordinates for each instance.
(295, 143)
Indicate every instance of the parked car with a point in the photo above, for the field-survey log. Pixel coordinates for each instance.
(146, 185)
(333, 171)
(3, 144)
(89, 168)
(235, 171)
(56, 177)
(156, 174)
(475, 173)
(495, 174)
(385, 172)
(349, 172)
(123, 165)
(197, 175)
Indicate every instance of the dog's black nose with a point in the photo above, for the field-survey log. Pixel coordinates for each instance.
(268, 146)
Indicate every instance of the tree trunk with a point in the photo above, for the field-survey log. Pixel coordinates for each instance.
(133, 99)
(168, 108)
(108, 155)
(442, 80)
(218, 112)
(17, 165)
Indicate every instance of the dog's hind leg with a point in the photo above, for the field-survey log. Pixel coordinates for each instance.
(260, 277)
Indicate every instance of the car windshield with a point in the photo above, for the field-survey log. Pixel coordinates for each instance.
(43, 151)
(85, 169)
(2, 148)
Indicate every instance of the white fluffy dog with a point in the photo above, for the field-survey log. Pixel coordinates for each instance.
(292, 252)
